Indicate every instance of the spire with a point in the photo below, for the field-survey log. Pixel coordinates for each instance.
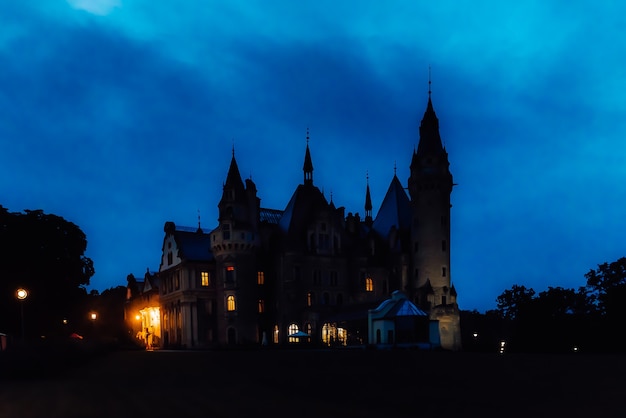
(430, 141)
(308, 164)
(368, 201)
(233, 178)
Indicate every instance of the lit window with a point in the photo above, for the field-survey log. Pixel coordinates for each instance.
(276, 332)
(261, 306)
(293, 328)
(260, 277)
(369, 284)
(204, 278)
(230, 303)
(309, 299)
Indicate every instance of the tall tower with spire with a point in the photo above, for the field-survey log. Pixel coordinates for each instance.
(234, 243)
(430, 187)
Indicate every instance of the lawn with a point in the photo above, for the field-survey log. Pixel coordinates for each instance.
(322, 383)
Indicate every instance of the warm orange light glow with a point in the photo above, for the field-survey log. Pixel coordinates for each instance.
(230, 303)
(230, 268)
(137, 317)
(22, 294)
(369, 284)
(93, 316)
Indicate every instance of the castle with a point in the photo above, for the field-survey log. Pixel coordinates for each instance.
(308, 271)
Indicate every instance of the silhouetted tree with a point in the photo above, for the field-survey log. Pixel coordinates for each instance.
(606, 287)
(515, 302)
(45, 254)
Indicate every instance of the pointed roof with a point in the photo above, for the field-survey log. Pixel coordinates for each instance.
(305, 203)
(368, 197)
(233, 178)
(394, 211)
(397, 305)
(308, 163)
(430, 140)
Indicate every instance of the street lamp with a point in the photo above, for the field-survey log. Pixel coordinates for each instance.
(21, 295)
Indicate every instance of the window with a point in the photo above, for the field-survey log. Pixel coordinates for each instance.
(169, 258)
(444, 245)
(333, 278)
(276, 333)
(229, 276)
(293, 328)
(443, 300)
(260, 277)
(309, 299)
(204, 278)
(317, 277)
(230, 303)
(226, 231)
(443, 272)
(369, 284)
(323, 241)
(261, 306)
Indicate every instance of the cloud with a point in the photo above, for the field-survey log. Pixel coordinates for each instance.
(96, 7)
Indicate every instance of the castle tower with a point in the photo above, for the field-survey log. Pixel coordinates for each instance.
(430, 186)
(234, 244)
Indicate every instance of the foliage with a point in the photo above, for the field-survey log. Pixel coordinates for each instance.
(560, 319)
(607, 288)
(43, 253)
(514, 302)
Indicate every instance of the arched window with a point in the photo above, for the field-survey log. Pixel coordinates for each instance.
(230, 303)
(293, 328)
(310, 298)
(276, 332)
(369, 284)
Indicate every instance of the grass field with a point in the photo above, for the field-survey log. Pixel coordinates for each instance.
(323, 383)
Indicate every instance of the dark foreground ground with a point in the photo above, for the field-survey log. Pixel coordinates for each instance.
(323, 383)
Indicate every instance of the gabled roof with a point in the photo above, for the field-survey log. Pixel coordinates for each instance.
(194, 246)
(394, 211)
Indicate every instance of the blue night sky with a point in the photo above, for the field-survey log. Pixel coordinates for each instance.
(120, 115)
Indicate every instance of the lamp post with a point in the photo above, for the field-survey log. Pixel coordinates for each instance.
(21, 295)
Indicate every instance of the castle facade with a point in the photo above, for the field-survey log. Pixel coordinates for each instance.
(309, 272)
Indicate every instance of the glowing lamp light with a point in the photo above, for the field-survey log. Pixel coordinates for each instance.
(137, 317)
(21, 294)
(93, 316)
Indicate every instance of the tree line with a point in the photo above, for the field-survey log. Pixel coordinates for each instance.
(587, 319)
